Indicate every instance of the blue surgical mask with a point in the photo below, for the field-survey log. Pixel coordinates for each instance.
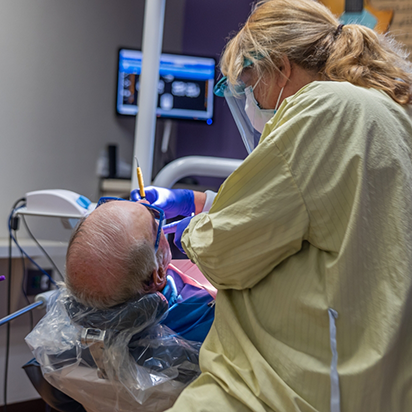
(258, 117)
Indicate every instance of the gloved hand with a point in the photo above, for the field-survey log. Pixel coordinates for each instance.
(180, 228)
(174, 202)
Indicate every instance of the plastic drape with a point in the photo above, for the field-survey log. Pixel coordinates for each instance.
(120, 359)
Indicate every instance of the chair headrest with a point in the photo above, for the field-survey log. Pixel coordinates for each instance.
(139, 313)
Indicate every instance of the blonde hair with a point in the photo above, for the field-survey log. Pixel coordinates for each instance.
(309, 35)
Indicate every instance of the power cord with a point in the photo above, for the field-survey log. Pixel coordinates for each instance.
(41, 248)
(12, 226)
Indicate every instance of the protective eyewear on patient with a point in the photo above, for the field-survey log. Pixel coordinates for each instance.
(156, 212)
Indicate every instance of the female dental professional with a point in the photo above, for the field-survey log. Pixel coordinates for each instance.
(309, 241)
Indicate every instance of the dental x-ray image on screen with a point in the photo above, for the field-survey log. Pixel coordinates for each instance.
(185, 85)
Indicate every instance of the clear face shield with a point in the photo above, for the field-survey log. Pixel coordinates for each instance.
(236, 100)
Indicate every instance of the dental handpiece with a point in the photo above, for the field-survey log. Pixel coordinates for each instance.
(140, 180)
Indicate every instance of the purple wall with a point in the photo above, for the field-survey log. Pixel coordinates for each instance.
(208, 24)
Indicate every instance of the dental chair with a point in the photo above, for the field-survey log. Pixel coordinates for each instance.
(119, 359)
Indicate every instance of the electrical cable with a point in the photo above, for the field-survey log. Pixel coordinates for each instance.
(41, 248)
(6, 368)
(24, 253)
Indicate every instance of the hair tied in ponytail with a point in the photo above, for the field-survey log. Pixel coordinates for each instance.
(339, 30)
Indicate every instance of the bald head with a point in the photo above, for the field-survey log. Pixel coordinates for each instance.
(111, 257)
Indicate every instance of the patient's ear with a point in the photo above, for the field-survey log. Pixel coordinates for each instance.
(159, 278)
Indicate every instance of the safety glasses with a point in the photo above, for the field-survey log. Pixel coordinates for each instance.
(223, 89)
(156, 212)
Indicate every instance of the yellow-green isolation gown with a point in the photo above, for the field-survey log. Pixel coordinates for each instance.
(309, 243)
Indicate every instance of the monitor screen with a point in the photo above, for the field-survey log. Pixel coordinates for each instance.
(185, 85)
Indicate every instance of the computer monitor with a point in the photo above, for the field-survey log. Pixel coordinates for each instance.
(185, 85)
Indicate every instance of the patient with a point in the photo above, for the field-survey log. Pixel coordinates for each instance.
(111, 259)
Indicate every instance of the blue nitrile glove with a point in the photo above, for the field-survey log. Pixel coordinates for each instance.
(174, 202)
(178, 228)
